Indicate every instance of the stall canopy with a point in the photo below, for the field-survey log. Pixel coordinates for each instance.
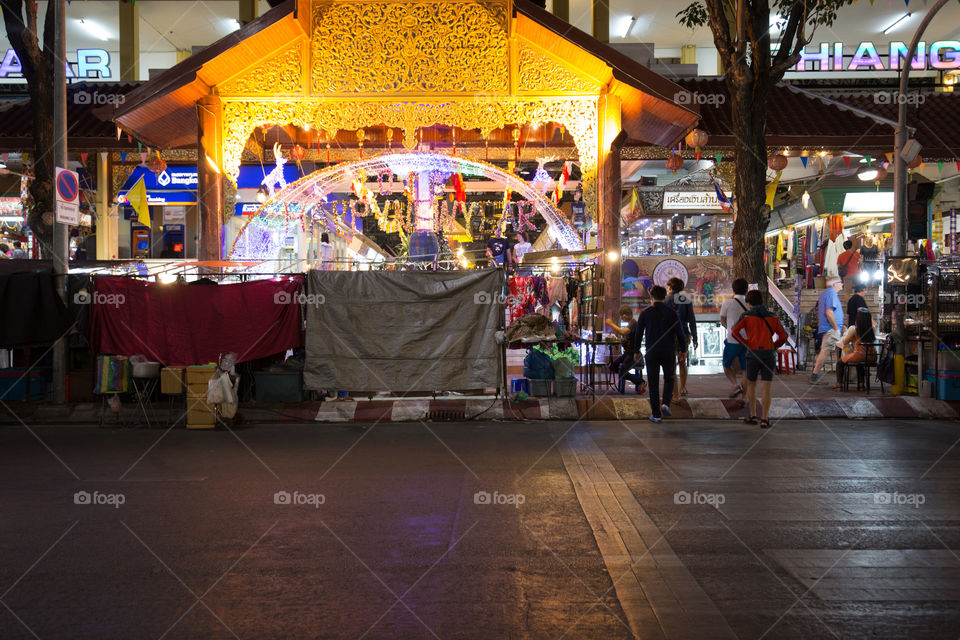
(402, 331)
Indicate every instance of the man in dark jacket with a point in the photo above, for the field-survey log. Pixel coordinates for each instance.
(661, 325)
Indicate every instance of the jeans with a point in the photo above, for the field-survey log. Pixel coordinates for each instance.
(622, 366)
(655, 362)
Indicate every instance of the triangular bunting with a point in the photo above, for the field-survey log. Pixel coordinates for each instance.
(123, 157)
(846, 161)
(940, 167)
(84, 155)
(804, 159)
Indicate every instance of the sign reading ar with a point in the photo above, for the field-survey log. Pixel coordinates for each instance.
(91, 63)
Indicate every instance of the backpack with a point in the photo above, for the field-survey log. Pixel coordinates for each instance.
(885, 364)
(842, 268)
(537, 365)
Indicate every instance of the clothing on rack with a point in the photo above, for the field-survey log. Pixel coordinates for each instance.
(521, 299)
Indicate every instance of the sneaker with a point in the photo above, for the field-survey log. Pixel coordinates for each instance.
(656, 419)
(736, 392)
(665, 410)
(815, 378)
(642, 388)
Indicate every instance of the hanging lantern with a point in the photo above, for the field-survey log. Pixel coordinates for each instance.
(777, 162)
(916, 163)
(157, 164)
(674, 162)
(298, 153)
(697, 139)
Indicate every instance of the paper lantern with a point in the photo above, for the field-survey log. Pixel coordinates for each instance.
(697, 139)
(674, 162)
(298, 153)
(157, 164)
(777, 162)
(916, 162)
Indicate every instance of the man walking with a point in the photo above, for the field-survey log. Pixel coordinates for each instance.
(734, 357)
(661, 325)
(829, 322)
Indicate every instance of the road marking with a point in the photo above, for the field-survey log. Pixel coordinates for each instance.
(659, 596)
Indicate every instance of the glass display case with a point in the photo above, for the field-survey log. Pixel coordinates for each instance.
(679, 235)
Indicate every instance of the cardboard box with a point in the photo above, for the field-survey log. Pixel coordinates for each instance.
(172, 380)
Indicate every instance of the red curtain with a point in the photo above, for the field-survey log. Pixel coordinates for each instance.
(187, 324)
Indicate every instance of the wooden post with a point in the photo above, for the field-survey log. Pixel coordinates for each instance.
(107, 226)
(129, 15)
(561, 9)
(601, 20)
(248, 11)
(609, 185)
(209, 180)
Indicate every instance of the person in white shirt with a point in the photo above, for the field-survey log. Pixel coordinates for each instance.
(326, 253)
(734, 353)
(521, 248)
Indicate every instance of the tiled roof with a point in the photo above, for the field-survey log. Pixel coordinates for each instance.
(86, 129)
(932, 115)
(794, 118)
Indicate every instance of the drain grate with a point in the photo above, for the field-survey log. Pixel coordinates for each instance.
(448, 414)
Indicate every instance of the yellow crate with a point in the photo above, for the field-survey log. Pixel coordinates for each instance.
(172, 380)
(200, 373)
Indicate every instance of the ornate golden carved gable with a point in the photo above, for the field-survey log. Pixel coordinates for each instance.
(278, 75)
(540, 72)
(422, 46)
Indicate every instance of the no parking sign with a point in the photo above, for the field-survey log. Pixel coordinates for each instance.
(68, 197)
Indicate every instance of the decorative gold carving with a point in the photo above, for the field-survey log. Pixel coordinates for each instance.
(540, 72)
(578, 115)
(280, 74)
(389, 46)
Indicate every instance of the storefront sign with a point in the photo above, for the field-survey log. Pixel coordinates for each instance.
(691, 201)
(667, 270)
(159, 199)
(708, 280)
(579, 211)
(173, 215)
(942, 54)
(91, 63)
(246, 208)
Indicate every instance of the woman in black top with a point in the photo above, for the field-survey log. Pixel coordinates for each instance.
(855, 303)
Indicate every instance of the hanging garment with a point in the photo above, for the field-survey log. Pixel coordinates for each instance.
(556, 291)
(832, 253)
(521, 299)
(540, 291)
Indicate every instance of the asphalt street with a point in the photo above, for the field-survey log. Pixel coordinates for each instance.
(482, 530)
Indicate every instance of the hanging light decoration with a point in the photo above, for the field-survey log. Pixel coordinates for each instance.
(157, 164)
(674, 162)
(298, 153)
(697, 139)
(915, 163)
(777, 162)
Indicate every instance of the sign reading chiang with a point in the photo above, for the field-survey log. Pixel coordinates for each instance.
(691, 201)
(942, 54)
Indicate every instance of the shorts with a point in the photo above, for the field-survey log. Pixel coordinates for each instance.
(733, 352)
(830, 340)
(763, 363)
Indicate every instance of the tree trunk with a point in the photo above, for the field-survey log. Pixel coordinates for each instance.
(40, 217)
(749, 112)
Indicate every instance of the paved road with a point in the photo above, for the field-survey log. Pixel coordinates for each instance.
(483, 530)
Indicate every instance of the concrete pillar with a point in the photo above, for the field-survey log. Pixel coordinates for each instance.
(561, 9)
(129, 41)
(601, 20)
(209, 180)
(248, 11)
(609, 186)
(108, 227)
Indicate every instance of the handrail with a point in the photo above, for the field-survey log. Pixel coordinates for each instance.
(782, 300)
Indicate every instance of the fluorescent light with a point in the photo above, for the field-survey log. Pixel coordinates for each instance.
(233, 24)
(805, 198)
(868, 173)
(868, 202)
(94, 29)
(630, 25)
(897, 21)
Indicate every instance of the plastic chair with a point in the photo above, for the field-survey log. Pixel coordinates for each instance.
(786, 361)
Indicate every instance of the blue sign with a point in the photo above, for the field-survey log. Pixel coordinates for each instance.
(246, 208)
(185, 176)
(579, 210)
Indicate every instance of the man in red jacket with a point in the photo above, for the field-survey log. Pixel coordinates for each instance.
(761, 332)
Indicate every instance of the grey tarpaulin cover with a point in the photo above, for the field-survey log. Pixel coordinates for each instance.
(402, 330)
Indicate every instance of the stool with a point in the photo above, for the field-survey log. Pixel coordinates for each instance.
(786, 361)
(520, 384)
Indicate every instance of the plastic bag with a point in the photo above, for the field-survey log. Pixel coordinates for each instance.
(537, 365)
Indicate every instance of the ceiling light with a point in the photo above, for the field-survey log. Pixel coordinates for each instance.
(897, 21)
(262, 194)
(868, 173)
(630, 26)
(805, 198)
(233, 24)
(94, 29)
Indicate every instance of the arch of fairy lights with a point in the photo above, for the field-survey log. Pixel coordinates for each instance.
(308, 195)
